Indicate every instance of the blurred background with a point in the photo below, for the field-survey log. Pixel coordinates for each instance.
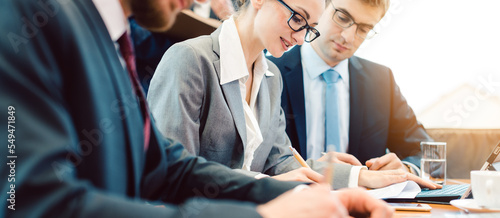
(445, 56)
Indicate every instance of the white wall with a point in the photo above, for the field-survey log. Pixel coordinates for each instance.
(435, 46)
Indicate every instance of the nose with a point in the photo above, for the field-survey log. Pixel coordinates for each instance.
(299, 36)
(349, 33)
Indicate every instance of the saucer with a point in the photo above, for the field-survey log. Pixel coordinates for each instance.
(471, 206)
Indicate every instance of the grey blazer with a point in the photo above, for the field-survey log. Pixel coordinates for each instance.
(189, 105)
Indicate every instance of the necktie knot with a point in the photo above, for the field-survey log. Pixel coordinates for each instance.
(127, 52)
(330, 76)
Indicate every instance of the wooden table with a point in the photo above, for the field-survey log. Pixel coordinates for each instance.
(437, 209)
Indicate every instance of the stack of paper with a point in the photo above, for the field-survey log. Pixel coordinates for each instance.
(408, 189)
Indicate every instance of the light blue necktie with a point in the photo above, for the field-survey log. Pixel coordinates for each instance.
(332, 127)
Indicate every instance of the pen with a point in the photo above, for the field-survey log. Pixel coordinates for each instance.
(299, 158)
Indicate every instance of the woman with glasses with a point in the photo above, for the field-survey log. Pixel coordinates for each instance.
(220, 97)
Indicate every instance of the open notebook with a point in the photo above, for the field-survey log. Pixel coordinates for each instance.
(410, 192)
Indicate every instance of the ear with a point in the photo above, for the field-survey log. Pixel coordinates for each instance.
(257, 4)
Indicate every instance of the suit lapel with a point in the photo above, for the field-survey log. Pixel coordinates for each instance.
(356, 83)
(294, 79)
(263, 104)
(123, 87)
(231, 93)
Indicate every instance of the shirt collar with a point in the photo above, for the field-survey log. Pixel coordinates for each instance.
(232, 61)
(315, 66)
(112, 14)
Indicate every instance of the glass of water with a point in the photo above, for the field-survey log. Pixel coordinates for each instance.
(433, 162)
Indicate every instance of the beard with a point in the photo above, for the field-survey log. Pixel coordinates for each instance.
(155, 15)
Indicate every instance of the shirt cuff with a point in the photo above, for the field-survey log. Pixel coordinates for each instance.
(300, 188)
(412, 168)
(260, 176)
(354, 176)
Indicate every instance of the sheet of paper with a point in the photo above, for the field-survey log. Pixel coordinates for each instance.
(408, 189)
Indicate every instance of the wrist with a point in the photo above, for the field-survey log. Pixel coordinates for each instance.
(412, 168)
(406, 168)
(362, 177)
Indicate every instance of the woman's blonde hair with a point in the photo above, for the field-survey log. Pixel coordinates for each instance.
(240, 4)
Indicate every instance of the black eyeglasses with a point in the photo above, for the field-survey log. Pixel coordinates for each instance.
(345, 21)
(297, 22)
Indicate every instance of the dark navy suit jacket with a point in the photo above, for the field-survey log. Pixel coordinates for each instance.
(78, 129)
(380, 117)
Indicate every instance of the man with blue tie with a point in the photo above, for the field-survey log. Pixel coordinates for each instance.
(334, 101)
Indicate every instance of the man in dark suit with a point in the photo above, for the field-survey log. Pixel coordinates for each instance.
(81, 141)
(150, 46)
(371, 114)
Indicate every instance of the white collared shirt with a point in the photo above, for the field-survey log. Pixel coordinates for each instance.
(111, 12)
(314, 95)
(234, 67)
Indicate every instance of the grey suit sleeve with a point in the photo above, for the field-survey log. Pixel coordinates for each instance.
(280, 159)
(175, 96)
(341, 174)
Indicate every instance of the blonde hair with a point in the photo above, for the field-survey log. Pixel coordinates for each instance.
(383, 4)
(241, 4)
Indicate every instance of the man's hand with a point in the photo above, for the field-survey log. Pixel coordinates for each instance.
(340, 158)
(379, 179)
(387, 162)
(316, 201)
(302, 175)
(360, 204)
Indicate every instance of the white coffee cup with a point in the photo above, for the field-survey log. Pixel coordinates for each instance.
(486, 188)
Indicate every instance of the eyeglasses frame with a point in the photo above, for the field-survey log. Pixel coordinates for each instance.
(309, 28)
(352, 23)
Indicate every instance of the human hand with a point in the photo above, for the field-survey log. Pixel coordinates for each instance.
(379, 179)
(360, 204)
(302, 174)
(337, 157)
(316, 201)
(222, 8)
(387, 162)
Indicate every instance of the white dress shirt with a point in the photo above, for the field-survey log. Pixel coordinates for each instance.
(314, 96)
(234, 67)
(112, 13)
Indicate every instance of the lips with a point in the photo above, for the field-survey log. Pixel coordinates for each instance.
(286, 44)
(340, 47)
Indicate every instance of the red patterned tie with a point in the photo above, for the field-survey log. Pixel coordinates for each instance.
(128, 54)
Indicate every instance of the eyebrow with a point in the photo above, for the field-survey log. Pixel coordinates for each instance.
(305, 12)
(346, 12)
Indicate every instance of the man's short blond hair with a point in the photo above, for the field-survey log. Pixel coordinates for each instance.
(383, 4)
